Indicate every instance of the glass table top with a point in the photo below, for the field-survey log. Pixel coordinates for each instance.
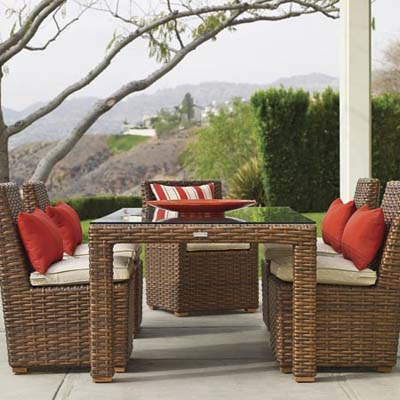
(250, 215)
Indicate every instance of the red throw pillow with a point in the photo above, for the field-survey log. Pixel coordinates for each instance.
(335, 221)
(41, 238)
(67, 220)
(164, 192)
(363, 236)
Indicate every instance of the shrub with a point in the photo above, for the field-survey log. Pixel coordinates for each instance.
(281, 116)
(247, 183)
(386, 138)
(299, 145)
(225, 144)
(98, 206)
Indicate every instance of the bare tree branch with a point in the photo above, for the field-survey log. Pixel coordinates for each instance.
(17, 36)
(59, 31)
(140, 32)
(62, 148)
(31, 27)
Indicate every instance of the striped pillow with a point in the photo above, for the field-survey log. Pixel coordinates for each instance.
(163, 192)
(160, 214)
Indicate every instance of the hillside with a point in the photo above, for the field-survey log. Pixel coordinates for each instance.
(61, 121)
(95, 168)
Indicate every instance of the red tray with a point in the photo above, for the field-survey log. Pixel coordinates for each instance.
(214, 206)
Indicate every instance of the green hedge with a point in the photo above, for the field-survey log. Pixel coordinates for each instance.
(386, 138)
(299, 145)
(98, 206)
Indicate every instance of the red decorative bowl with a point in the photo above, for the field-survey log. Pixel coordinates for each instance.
(192, 208)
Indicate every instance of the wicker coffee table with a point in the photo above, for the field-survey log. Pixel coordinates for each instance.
(256, 225)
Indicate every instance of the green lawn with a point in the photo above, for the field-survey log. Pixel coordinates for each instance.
(121, 143)
(317, 217)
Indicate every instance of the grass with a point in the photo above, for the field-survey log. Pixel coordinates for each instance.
(317, 217)
(85, 230)
(121, 143)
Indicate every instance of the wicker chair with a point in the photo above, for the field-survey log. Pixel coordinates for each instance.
(49, 326)
(366, 193)
(356, 326)
(184, 281)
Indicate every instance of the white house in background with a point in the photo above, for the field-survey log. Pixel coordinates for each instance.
(139, 131)
(198, 112)
(147, 118)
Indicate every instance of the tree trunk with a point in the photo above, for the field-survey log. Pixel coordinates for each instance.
(4, 167)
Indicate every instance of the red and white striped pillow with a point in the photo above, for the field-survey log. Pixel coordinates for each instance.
(163, 192)
(160, 214)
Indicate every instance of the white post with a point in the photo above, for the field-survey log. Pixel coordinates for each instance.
(355, 94)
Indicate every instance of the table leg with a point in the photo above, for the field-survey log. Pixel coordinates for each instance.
(101, 310)
(304, 311)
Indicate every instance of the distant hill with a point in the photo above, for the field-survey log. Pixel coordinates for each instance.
(95, 167)
(61, 121)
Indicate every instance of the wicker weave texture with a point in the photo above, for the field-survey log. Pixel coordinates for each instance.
(356, 326)
(104, 236)
(367, 192)
(49, 326)
(181, 281)
(35, 196)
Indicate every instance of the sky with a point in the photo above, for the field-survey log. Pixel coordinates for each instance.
(257, 53)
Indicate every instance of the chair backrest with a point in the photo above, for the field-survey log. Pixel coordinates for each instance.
(14, 267)
(367, 192)
(389, 268)
(35, 195)
(147, 193)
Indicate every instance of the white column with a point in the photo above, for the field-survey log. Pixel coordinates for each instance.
(355, 94)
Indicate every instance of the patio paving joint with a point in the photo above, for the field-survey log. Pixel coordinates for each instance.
(60, 386)
(345, 387)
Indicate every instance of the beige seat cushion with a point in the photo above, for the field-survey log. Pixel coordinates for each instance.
(276, 250)
(75, 270)
(330, 270)
(121, 249)
(217, 246)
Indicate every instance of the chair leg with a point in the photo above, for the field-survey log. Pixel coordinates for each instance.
(384, 370)
(181, 314)
(102, 380)
(305, 379)
(152, 307)
(286, 370)
(20, 371)
(251, 310)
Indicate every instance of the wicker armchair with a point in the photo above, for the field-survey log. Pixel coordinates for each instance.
(357, 326)
(48, 326)
(184, 281)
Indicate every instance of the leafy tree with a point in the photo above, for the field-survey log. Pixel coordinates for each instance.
(226, 144)
(172, 30)
(187, 106)
(166, 123)
(387, 78)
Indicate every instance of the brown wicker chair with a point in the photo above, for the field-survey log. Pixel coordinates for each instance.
(49, 326)
(356, 326)
(181, 281)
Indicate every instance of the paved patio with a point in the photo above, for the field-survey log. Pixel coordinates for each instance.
(202, 357)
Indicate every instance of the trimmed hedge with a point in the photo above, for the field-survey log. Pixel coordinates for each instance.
(299, 145)
(98, 206)
(386, 138)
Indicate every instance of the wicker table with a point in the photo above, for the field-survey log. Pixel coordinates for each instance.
(275, 225)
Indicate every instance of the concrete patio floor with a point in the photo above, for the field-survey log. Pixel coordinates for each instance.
(201, 357)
